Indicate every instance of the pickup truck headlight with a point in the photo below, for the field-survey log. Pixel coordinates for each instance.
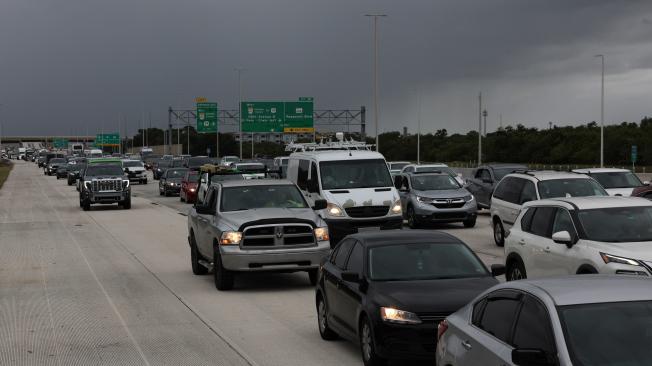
(231, 238)
(392, 315)
(321, 233)
(125, 184)
(396, 208)
(334, 210)
(87, 184)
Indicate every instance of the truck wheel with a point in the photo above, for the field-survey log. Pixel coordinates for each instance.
(126, 204)
(69, 182)
(312, 275)
(469, 222)
(58, 177)
(223, 277)
(160, 193)
(197, 268)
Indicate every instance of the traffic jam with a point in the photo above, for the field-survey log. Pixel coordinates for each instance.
(574, 288)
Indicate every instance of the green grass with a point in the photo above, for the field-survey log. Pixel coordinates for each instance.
(5, 168)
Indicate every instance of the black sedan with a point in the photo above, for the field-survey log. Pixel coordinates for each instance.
(389, 290)
(170, 182)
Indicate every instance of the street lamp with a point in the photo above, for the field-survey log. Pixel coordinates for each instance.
(479, 129)
(602, 115)
(376, 16)
(484, 114)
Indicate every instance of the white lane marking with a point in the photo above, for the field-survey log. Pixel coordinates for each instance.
(99, 283)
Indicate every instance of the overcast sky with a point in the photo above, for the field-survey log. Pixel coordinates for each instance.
(69, 65)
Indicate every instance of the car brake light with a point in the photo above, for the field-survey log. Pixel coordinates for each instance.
(441, 329)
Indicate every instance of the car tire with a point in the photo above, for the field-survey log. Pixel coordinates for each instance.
(197, 268)
(470, 222)
(160, 192)
(58, 177)
(499, 233)
(325, 331)
(69, 182)
(367, 346)
(126, 204)
(166, 193)
(223, 277)
(181, 198)
(413, 222)
(86, 205)
(515, 270)
(313, 275)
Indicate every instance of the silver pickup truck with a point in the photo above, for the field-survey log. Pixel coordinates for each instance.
(256, 225)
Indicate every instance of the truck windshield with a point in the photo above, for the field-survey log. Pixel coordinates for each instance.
(347, 174)
(261, 196)
(95, 170)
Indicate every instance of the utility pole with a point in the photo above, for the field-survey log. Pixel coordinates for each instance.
(0, 129)
(479, 129)
(484, 114)
(239, 70)
(602, 115)
(375, 71)
(419, 131)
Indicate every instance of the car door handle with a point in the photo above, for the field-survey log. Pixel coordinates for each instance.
(466, 345)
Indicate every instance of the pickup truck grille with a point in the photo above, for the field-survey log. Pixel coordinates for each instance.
(278, 236)
(367, 211)
(105, 185)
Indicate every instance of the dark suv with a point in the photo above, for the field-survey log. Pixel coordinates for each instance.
(485, 178)
(104, 184)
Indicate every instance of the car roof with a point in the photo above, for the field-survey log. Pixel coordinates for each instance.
(601, 170)
(255, 182)
(587, 289)
(548, 175)
(588, 203)
(503, 165)
(420, 174)
(383, 237)
(336, 155)
(433, 165)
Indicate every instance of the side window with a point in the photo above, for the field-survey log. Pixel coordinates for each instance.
(478, 174)
(405, 183)
(498, 315)
(485, 175)
(541, 221)
(478, 308)
(356, 259)
(215, 198)
(563, 222)
(210, 197)
(533, 327)
(409, 169)
(302, 174)
(398, 181)
(343, 253)
(526, 221)
(528, 193)
(509, 189)
(314, 179)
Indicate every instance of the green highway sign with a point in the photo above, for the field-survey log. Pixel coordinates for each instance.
(60, 143)
(634, 153)
(206, 117)
(107, 139)
(278, 116)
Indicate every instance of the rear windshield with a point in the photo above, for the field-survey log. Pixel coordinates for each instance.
(571, 187)
(175, 173)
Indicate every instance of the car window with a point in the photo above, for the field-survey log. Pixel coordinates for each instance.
(541, 221)
(532, 328)
(528, 193)
(498, 315)
(409, 169)
(571, 187)
(302, 174)
(509, 189)
(355, 263)
(343, 253)
(314, 178)
(478, 308)
(526, 221)
(484, 174)
(563, 222)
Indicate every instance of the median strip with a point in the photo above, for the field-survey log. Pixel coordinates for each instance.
(5, 168)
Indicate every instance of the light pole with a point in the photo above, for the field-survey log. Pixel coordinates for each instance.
(239, 70)
(602, 115)
(484, 114)
(0, 129)
(376, 16)
(479, 129)
(419, 131)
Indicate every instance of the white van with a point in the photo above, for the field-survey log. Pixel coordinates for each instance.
(356, 184)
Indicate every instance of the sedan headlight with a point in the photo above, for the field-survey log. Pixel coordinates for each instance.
(321, 233)
(396, 208)
(392, 315)
(608, 258)
(424, 199)
(231, 238)
(469, 198)
(334, 210)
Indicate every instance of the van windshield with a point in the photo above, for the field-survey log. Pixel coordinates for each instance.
(347, 174)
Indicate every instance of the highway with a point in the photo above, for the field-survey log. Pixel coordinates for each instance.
(114, 287)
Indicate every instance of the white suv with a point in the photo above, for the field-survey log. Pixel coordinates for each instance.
(607, 235)
(518, 188)
(617, 182)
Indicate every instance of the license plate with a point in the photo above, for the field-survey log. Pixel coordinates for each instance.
(366, 229)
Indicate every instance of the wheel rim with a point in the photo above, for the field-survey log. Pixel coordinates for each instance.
(322, 316)
(516, 274)
(366, 342)
(498, 233)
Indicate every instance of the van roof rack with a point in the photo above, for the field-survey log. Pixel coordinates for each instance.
(340, 144)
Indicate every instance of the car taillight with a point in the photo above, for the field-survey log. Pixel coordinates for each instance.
(441, 329)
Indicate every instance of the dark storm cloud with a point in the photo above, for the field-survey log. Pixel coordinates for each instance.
(69, 65)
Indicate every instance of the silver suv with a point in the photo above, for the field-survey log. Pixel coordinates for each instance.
(435, 197)
(256, 226)
(529, 185)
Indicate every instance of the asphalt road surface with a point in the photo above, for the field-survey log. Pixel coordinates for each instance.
(114, 287)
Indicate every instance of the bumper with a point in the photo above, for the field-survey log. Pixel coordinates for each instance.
(108, 197)
(406, 342)
(280, 260)
(172, 189)
(137, 177)
(339, 228)
(429, 213)
(62, 174)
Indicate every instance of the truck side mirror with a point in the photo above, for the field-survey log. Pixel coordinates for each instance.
(320, 205)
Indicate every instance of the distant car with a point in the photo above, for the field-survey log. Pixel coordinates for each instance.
(189, 185)
(53, 165)
(429, 168)
(62, 171)
(395, 167)
(104, 184)
(564, 321)
(435, 198)
(583, 235)
(387, 291)
(148, 160)
(228, 160)
(251, 170)
(195, 162)
(163, 165)
(74, 172)
(515, 189)
(170, 182)
(617, 182)
(280, 166)
(135, 170)
(211, 175)
(484, 179)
